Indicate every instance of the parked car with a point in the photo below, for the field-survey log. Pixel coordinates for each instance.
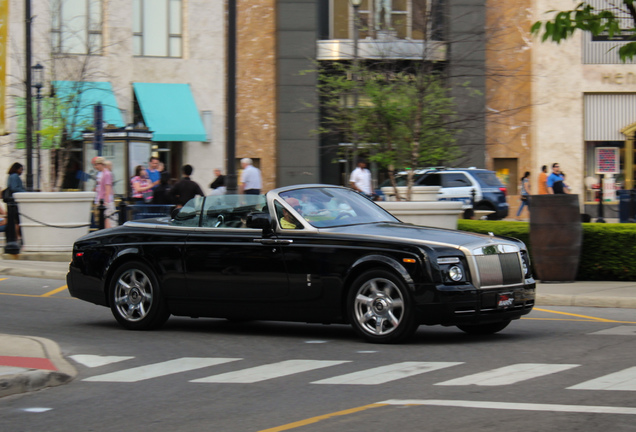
(458, 184)
(307, 253)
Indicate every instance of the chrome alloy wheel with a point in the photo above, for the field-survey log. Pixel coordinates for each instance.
(133, 295)
(379, 306)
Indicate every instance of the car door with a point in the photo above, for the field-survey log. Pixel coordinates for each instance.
(457, 186)
(234, 264)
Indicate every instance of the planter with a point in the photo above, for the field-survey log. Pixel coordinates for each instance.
(556, 236)
(418, 193)
(438, 214)
(52, 221)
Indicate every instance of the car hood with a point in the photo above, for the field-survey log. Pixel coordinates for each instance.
(426, 235)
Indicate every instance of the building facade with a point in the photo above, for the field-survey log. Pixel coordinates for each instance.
(528, 103)
(152, 64)
(584, 110)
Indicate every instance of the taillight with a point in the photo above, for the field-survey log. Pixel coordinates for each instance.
(503, 189)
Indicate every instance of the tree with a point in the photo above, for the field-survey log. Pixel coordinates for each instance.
(404, 118)
(616, 18)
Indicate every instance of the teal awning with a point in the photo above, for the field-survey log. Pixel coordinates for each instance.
(170, 112)
(78, 99)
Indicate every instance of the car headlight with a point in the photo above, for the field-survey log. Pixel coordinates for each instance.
(525, 263)
(455, 273)
(452, 269)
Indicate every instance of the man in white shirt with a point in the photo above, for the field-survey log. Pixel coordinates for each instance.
(251, 182)
(361, 179)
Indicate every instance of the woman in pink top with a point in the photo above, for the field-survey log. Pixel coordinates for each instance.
(104, 190)
(141, 186)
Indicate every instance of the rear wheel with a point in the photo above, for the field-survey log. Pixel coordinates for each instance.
(135, 298)
(484, 329)
(380, 308)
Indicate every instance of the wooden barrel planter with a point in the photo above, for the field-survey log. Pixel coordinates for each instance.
(556, 236)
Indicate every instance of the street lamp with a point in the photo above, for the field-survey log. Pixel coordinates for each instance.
(356, 29)
(37, 80)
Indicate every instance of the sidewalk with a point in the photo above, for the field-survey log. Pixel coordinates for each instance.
(30, 363)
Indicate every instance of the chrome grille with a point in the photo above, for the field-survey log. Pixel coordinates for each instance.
(499, 269)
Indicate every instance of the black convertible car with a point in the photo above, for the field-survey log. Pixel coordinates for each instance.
(309, 253)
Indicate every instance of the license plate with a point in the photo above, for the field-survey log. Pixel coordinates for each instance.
(505, 300)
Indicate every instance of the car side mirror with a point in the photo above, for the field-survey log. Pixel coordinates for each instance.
(260, 220)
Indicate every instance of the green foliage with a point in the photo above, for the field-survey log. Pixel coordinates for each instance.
(404, 119)
(51, 124)
(596, 21)
(608, 250)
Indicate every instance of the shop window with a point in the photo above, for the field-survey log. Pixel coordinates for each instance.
(76, 26)
(157, 28)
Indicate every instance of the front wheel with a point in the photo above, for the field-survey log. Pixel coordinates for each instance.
(135, 298)
(484, 329)
(380, 308)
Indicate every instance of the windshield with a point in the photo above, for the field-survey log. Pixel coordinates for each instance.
(332, 207)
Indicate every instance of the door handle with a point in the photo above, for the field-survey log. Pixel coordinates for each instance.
(273, 241)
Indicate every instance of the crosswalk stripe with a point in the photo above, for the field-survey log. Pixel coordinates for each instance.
(160, 369)
(384, 374)
(269, 371)
(509, 374)
(96, 361)
(623, 380)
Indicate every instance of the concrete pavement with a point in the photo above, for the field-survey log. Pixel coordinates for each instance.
(30, 363)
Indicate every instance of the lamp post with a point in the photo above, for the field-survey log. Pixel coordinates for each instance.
(356, 28)
(38, 83)
(28, 102)
(230, 178)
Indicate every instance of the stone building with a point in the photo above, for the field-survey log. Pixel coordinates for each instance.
(164, 66)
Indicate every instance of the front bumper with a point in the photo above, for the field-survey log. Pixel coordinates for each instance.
(468, 305)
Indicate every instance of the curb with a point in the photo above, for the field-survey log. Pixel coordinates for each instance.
(34, 273)
(28, 380)
(585, 301)
(31, 380)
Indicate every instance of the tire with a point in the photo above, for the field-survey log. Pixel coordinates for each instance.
(380, 308)
(484, 329)
(135, 298)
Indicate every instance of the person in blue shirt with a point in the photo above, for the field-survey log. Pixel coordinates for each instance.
(555, 181)
(154, 174)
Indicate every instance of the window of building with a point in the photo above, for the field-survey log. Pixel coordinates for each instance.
(157, 28)
(404, 19)
(76, 26)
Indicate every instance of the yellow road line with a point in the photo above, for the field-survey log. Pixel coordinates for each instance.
(583, 316)
(3, 279)
(55, 291)
(322, 417)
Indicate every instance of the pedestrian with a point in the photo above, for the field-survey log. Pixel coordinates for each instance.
(251, 181)
(218, 186)
(14, 184)
(140, 186)
(104, 191)
(542, 188)
(162, 193)
(360, 179)
(525, 193)
(185, 189)
(154, 174)
(555, 181)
